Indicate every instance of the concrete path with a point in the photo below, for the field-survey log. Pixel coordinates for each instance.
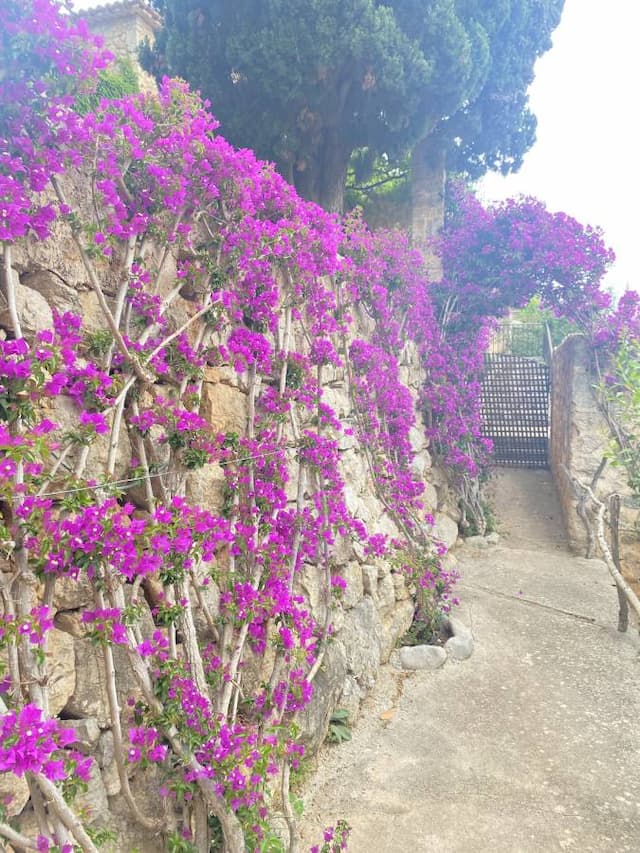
(533, 744)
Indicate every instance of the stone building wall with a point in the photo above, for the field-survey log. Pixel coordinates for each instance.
(125, 25)
(580, 438)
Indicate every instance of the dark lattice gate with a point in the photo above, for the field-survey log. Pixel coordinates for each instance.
(515, 395)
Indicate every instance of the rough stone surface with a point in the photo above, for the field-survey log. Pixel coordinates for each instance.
(94, 802)
(71, 594)
(224, 407)
(55, 292)
(14, 793)
(350, 698)
(580, 437)
(87, 732)
(362, 636)
(445, 529)
(422, 657)
(89, 699)
(352, 573)
(394, 625)
(33, 310)
(61, 669)
(328, 686)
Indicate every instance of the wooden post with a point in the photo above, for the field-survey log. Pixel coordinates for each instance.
(614, 520)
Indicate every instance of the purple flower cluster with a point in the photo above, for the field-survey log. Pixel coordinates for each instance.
(31, 743)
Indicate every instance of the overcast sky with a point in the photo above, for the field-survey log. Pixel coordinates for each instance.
(585, 161)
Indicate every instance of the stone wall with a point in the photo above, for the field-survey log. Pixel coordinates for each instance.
(375, 611)
(377, 606)
(580, 438)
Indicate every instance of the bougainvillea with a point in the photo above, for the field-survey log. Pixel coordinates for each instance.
(201, 260)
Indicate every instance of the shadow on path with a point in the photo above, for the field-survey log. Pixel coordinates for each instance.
(532, 745)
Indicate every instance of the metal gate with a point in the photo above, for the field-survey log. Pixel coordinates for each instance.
(515, 395)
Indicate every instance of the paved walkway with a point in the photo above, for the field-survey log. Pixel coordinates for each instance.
(532, 745)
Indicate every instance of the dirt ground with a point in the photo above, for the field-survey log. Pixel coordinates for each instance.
(532, 745)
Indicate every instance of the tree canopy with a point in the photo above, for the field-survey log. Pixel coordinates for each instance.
(306, 82)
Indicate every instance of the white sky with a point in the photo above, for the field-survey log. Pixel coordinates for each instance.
(585, 161)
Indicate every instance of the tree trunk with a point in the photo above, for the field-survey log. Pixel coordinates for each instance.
(324, 176)
(428, 172)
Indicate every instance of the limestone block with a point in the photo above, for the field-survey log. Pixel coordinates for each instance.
(28, 823)
(14, 793)
(421, 464)
(224, 374)
(338, 399)
(206, 487)
(386, 594)
(347, 441)
(94, 802)
(395, 624)
(387, 526)
(93, 319)
(64, 412)
(378, 584)
(369, 579)
(429, 497)
(309, 579)
(342, 550)
(351, 498)
(328, 686)
(224, 407)
(445, 529)
(352, 573)
(33, 310)
(71, 593)
(369, 511)
(56, 293)
(61, 669)
(354, 471)
(350, 698)
(70, 622)
(400, 586)
(89, 699)
(362, 637)
(105, 756)
(418, 440)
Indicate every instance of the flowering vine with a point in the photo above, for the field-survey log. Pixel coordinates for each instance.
(204, 266)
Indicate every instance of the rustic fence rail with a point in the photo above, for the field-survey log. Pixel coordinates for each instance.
(598, 518)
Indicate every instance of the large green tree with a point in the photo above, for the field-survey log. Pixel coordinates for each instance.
(307, 82)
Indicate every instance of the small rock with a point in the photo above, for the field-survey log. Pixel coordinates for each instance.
(422, 657)
(493, 538)
(459, 647)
